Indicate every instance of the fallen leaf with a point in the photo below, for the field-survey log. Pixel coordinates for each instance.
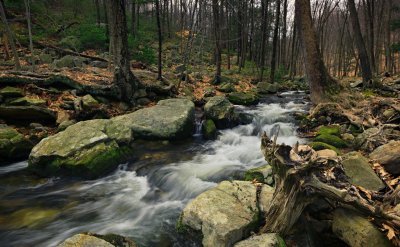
(390, 234)
(365, 191)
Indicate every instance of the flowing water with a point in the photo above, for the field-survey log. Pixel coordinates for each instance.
(141, 199)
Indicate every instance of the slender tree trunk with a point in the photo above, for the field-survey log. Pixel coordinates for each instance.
(157, 2)
(388, 52)
(97, 6)
(28, 18)
(362, 51)
(123, 77)
(217, 33)
(275, 41)
(321, 84)
(133, 21)
(284, 33)
(264, 11)
(106, 19)
(10, 37)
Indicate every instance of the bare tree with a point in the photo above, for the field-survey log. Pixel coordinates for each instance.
(28, 18)
(275, 41)
(362, 51)
(10, 37)
(217, 35)
(123, 77)
(159, 76)
(321, 83)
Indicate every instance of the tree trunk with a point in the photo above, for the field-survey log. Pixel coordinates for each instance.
(98, 17)
(284, 33)
(123, 76)
(321, 83)
(264, 12)
(275, 41)
(28, 18)
(133, 21)
(302, 176)
(10, 37)
(362, 51)
(159, 75)
(217, 33)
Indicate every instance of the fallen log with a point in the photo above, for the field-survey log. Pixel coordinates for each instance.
(68, 52)
(303, 175)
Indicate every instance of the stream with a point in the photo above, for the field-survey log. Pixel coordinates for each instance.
(143, 198)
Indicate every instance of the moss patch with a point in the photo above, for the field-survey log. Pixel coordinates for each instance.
(329, 130)
(321, 146)
(240, 98)
(331, 140)
(209, 129)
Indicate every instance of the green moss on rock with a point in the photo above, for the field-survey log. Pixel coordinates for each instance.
(241, 98)
(321, 146)
(329, 130)
(209, 129)
(331, 140)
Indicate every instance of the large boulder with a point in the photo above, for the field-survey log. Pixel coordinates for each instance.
(389, 156)
(215, 212)
(267, 88)
(357, 231)
(372, 138)
(242, 98)
(71, 42)
(96, 240)
(92, 148)
(28, 113)
(152, 84)
(170, 119)
(263, 240)
(13, 145)
(360, 172)
(87, 148)
(221, 111)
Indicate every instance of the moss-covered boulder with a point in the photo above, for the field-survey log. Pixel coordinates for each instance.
(329, 130)
(170, 119)
(243, 98)
(356, 230)
(26, 101)
(97, 240)
(360, 172)
(331, 140)
(321, 146)
(221, 111)
(263, 240)
(13, 145)
(11, 92)
(262, 174)
(92, 148)
(267, 88)
(209, 130)
(215, 212)
(84, 149)
(88, 102)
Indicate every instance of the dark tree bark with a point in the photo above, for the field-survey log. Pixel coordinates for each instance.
(123, 76)
(217, 35)
(97, 6)
(106, 19)
(362, 51)
(321, 83)
(133, 21)
(28, 18)
(275, 41)
(10, 37)
(284, 33)
(264, 11)
(159, 77)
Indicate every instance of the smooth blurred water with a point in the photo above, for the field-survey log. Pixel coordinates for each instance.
(142, 199)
